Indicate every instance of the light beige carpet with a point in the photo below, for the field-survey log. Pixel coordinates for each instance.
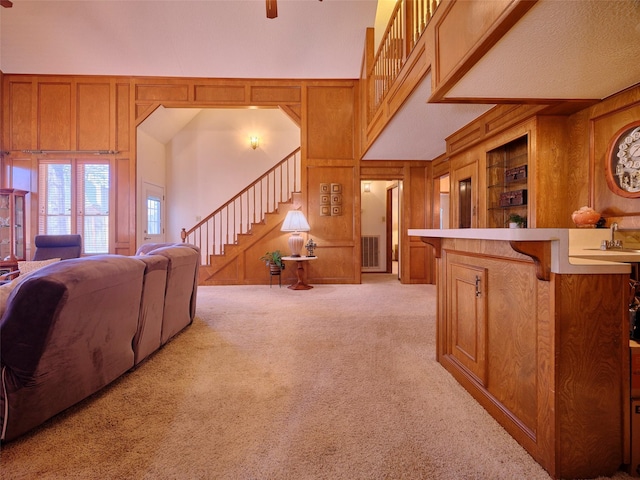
(337, 382)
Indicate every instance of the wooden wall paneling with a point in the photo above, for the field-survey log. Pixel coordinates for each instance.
(336, 235)
(274, 94)
(93, 116)
(143, 110)
(123, 221)
(465, 32)
(461, 29)
(4, 170)
(381, 170)
(439, 168)
(294, 112)
(3, 140)
(603, 125)
(162, 92)
(336, 263)
(590, 357)
(19, 105)
(125, 130)
(546, 372)
(56, 122)
(511, 332)
(549, 168)
(229, 94)
(417, 213)
(330, 125)
(488, 125)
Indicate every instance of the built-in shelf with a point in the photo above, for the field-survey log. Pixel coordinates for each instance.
(507, 181)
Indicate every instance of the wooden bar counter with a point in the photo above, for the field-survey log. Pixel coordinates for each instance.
(534, 324)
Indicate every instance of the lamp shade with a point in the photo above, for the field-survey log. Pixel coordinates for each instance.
(295, 222)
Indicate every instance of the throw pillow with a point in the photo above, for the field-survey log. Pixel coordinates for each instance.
(5, 291)
(31, 266)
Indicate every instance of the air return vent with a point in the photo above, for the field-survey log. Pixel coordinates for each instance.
(370, 251)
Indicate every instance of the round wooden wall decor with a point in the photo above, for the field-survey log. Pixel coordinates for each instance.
(623, 161)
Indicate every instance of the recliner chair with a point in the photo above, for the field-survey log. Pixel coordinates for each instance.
(51, 246)
(57, 246)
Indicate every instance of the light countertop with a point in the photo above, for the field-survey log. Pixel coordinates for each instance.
(573, 250)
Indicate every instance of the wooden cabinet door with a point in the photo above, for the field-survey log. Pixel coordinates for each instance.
(464, 196)
(467, 318)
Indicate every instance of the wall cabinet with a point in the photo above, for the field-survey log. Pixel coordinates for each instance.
(12, 226)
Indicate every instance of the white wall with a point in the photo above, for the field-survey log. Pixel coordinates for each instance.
(209, 160)
(151, 158)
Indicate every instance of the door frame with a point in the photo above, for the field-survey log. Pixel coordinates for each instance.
(143, 237)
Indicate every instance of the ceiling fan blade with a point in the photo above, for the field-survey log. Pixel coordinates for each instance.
(272, 9)
(6, 3)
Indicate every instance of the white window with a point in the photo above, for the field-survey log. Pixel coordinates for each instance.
(154, 215)
(74, 198)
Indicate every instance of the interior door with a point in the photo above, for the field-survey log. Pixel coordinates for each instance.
(152, 214)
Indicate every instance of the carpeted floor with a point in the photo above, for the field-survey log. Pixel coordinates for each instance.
(337, 382)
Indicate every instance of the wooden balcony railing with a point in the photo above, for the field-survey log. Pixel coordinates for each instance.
(248, 207)
(408, 21)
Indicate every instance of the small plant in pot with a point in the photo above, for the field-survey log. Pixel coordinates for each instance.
(516, 221)
(273, 260)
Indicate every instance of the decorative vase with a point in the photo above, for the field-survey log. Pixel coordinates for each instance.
(585, 217)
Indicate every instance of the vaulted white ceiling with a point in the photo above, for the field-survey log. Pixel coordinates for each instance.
(187, 38)
(561, 49)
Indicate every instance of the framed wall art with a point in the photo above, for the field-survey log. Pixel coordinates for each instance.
(330, 199)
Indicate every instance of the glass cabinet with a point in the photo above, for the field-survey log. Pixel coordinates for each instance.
(12, 226)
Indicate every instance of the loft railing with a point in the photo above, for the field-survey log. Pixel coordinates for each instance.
(224, 225)
(408, 21)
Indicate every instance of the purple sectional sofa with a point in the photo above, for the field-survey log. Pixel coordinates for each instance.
(74, 326)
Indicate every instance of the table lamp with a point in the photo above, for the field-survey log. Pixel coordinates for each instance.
(295, 222)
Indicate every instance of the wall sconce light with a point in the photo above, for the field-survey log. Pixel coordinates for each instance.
(367, 187)
(254, 142)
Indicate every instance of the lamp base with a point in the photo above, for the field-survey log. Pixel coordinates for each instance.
(295, 244)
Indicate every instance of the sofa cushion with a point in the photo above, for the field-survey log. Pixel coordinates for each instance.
(181, 290)
(148, 337)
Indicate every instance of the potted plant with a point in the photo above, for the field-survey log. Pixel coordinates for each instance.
(273, 261)
(516, 221)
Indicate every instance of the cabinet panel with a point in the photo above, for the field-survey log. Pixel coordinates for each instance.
(513, 337)
(467, 319)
